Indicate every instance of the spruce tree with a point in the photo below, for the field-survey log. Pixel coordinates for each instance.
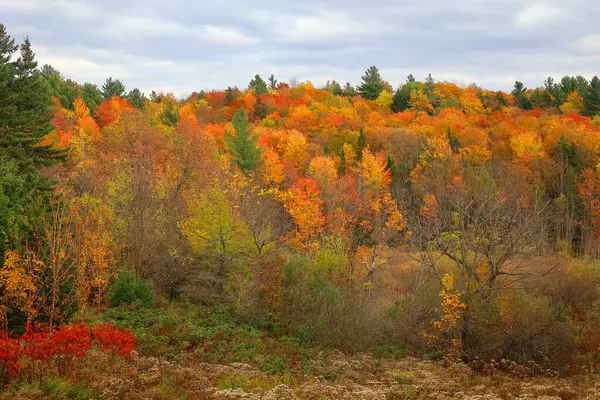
(242, 145)
(24, 122)
(228, 96)
(136, 98)
(335, 88)
(112, 87)
(349, 90)
(91, 96)
(591, 99)
(362, 143)
(169, 115)
(372, 84)
(272, 82)
(520, 96)
(258, 85)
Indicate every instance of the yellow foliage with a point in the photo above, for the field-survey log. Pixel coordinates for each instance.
(526, 145)
(385, 99)
(574, 103)
(273, 168)
(373, 170)
(470, 103)
(292, 148)
(323, 169)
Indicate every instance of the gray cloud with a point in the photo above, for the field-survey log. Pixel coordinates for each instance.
(183, 46)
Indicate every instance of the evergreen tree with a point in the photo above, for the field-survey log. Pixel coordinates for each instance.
(410, 78)
(258, 85)
(402, 96)
(136, 98)
(91, 96)
(390, 165)
(242, 145)
(349, 90)
(229, 96)
(272, 82)
(429, 91)
(362, 143)
(169, 115)
(372, 84)
(342, 169)
(24, 122)
(335, 88)
(260, 110)
(591, 98)
(65, 90)
(112, 87)
(520, 96)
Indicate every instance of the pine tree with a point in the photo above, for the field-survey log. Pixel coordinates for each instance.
(136, 98)
(169, 115)
(400, 100)
(228, 96)
(91, 96)
(272, 82)
(410, 78)
(349, 90)
(112, 87)
(242, 145)
(342, 169)
(591, 99)
(372, 84)
(260, 110)
(520, 96)
(429, 90)
(258, 85)
(335, 88)
(24, 122)
(390, 165)
(362, 143)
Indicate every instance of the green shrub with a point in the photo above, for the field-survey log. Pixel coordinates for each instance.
(129, 289)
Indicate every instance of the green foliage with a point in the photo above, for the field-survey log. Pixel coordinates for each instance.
(272, 82)
(25, 121)
(520, 95)
(401, 99)
(130, 289)
(91, 95)
(372, 84)
(591, 97)
(112, 87)
(362, 143)
(258, 85)
(242, 146)
(260, 111)
(65, 90)
(170, 114)
(136, 98)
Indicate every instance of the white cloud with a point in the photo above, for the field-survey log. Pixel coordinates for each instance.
(538, 14)
(590, 43)
(225, 35)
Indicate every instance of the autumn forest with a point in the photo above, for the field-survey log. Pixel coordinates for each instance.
(289, 228)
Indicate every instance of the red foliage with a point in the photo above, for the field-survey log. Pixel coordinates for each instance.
(72, 340)
(36, 343)
(10, 355)
(61, 346)
(110, 338)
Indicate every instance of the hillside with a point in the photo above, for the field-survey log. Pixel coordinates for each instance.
(453, 225)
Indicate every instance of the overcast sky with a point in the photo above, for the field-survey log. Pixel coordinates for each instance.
(185, 46)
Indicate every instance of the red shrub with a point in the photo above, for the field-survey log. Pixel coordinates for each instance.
(10, 355)
(110, 338)
(72, 341)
